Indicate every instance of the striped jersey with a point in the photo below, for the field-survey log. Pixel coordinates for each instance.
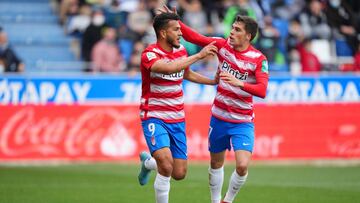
(162, 94)
(235, 104)
(231, 103)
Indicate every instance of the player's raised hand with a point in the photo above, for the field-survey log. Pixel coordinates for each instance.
(165, 9)
(228, 78)
(209, 49)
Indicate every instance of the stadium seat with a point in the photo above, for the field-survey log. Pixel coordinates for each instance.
(342, 48)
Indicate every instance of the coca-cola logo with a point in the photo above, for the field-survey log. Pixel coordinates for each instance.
(97, 131)
(345, 141)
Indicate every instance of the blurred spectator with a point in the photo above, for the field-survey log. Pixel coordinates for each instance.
(309, 61)
(106, 56)
(78, 23)
(268, 40)
(314, 21)
(114, 16)
(286, 9)
(357, 59)
(139, 20)
(343, 21)
(68, 8)
(135, 59)
(242, 7)
(92, 35)
(9, 61)
(194, 15)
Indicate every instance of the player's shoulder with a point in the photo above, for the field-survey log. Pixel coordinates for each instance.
(254, 54)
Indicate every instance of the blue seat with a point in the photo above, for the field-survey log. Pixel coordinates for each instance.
(25, 8)
(35, 33)
(27, 18)
(343, 48)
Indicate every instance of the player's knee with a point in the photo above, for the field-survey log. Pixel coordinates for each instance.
(216, 164)
(179, 174)
(241, 169)
(165, 166)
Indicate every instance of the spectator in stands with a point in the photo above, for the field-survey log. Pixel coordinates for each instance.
(139, 20)
(286, 9)
(314, 21)
(194, 15)
(242, 7)
(77, 24)
(135, 59)
(343, 21)
(9, 61)
(309, 61)
(357, 59)
(268, 40)
(92, 35)
(106, 56)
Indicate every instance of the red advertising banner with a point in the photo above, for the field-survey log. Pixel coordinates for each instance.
(52, 132)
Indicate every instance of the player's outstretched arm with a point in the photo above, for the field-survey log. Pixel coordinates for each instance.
(165, 67)
(198, 78)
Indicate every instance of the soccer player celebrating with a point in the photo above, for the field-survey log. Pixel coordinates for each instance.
(243, 74)
(163, 67)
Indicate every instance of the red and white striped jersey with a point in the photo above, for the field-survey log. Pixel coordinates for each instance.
(162, 94)
(231, 103)
(235, 104)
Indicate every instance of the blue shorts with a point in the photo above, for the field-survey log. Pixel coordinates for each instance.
(159, 134)
(221, 133)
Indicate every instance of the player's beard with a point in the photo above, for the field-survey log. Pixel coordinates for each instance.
(172, 42)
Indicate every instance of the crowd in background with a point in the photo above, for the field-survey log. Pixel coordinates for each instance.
(295, 35)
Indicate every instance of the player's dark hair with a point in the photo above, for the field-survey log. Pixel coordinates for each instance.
(251, 26)
(161, 21)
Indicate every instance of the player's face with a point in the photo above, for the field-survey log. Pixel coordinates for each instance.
(238, 36)
(173, 33)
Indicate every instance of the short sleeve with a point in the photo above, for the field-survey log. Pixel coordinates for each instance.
(148, 58)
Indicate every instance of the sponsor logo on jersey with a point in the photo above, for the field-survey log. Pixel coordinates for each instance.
(173, 76)
(227, 67)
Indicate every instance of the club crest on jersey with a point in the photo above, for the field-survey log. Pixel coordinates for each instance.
(150, 55)
(153, 140)
(237, 74)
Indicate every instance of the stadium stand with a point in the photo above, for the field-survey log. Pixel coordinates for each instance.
(36, 36)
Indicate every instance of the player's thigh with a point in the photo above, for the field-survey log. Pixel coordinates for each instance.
(179, 169)
(156, 134)
(177, 137)
(242, 136)
(219, 139)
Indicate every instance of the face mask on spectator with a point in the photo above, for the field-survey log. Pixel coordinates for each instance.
(335, 3)
(98, 20)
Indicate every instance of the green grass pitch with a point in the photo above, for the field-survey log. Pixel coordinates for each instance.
(117, 183)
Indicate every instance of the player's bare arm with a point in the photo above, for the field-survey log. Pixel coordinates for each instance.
(165, 67)
(198, 78)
